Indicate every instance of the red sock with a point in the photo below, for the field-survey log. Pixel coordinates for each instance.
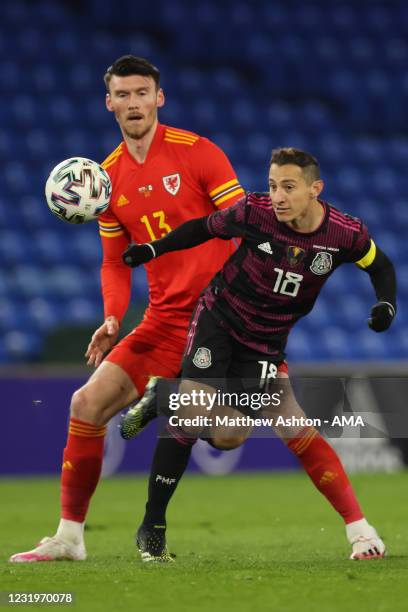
(81, 468)
(326, 471)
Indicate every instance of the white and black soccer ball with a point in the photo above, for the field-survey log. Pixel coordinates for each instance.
(78, 190)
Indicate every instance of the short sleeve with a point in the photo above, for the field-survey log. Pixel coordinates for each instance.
(216, 174)
(362, 245)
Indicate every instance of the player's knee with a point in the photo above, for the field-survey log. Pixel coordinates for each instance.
(226, 443)
(85, 409)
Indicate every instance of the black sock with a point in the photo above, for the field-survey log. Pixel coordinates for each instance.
(169, 462)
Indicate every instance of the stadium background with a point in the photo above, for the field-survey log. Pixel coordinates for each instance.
(329, 77)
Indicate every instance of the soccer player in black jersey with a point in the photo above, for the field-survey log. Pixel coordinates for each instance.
(291, 242)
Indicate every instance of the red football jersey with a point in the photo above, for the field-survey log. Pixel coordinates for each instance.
(184, 176)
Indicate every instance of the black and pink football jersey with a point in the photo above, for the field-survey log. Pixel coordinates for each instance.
(276, 274)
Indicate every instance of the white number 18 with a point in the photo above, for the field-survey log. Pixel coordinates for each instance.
(287, 284)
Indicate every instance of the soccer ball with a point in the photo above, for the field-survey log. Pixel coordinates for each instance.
(78, 190)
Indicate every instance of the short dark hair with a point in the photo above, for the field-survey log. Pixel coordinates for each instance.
(128, 65)
(290, 155)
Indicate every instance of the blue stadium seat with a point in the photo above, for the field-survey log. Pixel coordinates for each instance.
(372, 346)
(12, 315)
(6, 285)
(399, 341)
(279, 115)
(62, 112)
(37, 143)
(18, 177)
(42, 314)
(274, 15)
(6, 143)
(10, 74)
(343, 18)
(259, 149)
(85, 245)
(52, 13)
(139, 283)
(205, 112)
(207, 15)
(34, 212)
(24, 109)
(372, 212)
(320, 316)
(350, 181)
(22, 345)
(45, 77)
(314, 116)
(67, 281)
(362, 51)
(379, 19)
(328, 50)
(142, 44)
(352, 311)
(403, 277)
(302, 346)
(29, 281)
(336, 343)
(333, 148)
(396, 52)
(15, 247)
(85, 311)
(50, 250)
(369, 151)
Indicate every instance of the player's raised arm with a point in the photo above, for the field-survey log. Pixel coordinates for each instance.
(382, 275)
(225, 224)
(186, 236)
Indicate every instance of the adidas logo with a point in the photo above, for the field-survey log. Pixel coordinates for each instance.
(266, 247)
(327, 478)
(122, 201)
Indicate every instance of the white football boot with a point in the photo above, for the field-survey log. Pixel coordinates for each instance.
(67, 545)
(52, 549)
(365, 541)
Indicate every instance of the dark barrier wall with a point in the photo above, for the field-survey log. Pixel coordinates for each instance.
(35, 407)
(35, 412)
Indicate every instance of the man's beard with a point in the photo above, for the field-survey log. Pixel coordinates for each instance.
(137, 134)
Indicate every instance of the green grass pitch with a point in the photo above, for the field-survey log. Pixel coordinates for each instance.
(243, 542)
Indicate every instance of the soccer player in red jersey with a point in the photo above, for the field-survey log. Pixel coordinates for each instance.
(292, 242)
(161, 176)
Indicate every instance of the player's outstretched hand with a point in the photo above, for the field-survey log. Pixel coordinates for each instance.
(381, 316)
(137, 254)
(102, 340)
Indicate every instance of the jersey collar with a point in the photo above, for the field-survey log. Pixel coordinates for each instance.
(153, 149)
(292, 231)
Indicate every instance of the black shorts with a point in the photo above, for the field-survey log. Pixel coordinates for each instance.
(212, 353)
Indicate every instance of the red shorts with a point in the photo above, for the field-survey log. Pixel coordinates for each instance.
(153, 348)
